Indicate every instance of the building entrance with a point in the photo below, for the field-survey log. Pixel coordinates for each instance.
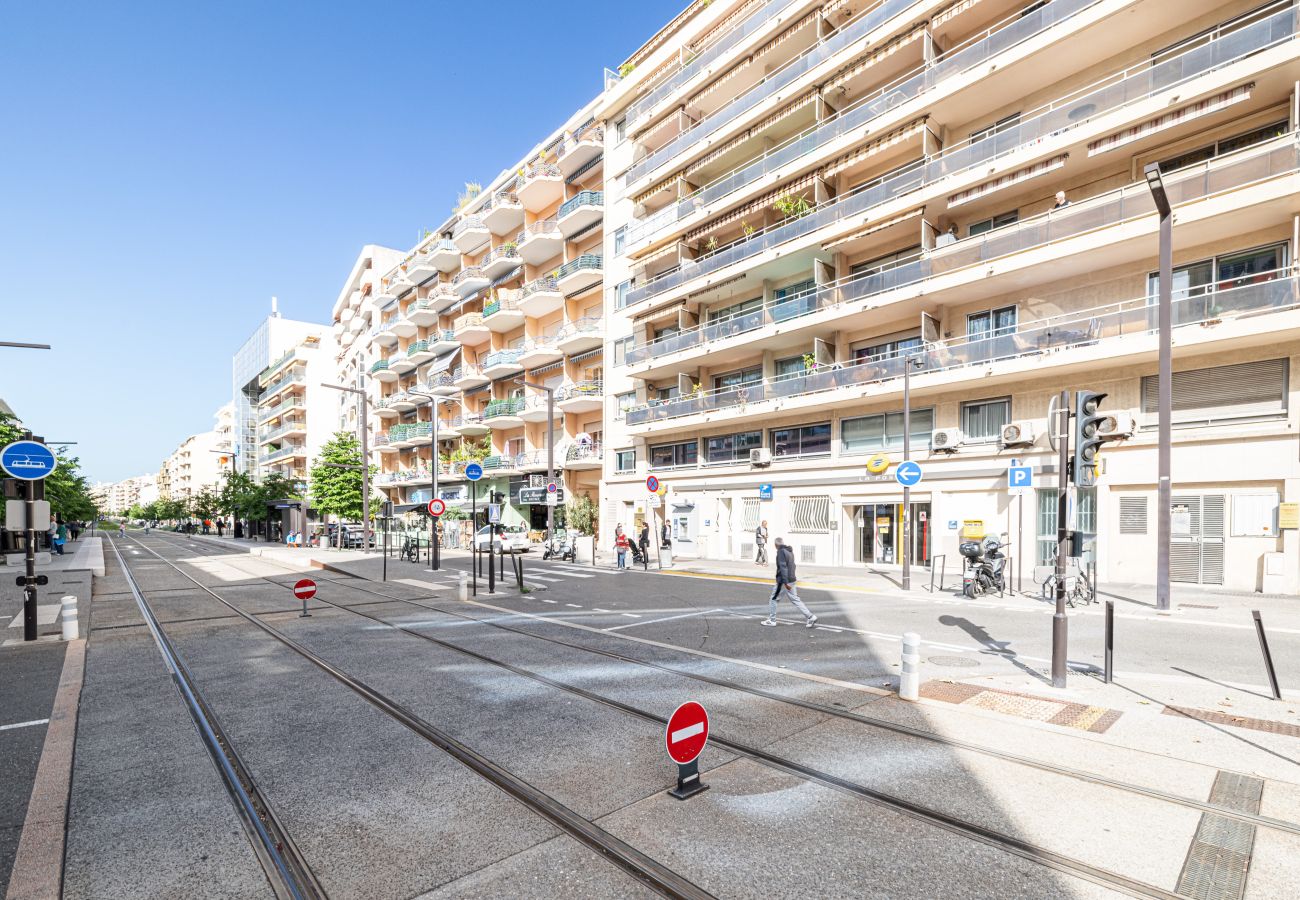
(878, 536)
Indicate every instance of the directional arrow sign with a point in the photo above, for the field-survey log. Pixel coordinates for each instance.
(28, 460)
(908, 474)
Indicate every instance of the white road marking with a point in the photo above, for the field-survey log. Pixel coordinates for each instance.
(567, 573)
(574, 605)
(24, 724)
(598, 609)
(544, 600)
(698, 612)
(631, 615)
(547, 578)
(689, 731)
(45, 615)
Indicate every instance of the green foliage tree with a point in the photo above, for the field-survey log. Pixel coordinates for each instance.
(67, 490)
(337, 491)
(581, 514)
(204, 505)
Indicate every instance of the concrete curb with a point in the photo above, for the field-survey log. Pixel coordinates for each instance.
(38, 864)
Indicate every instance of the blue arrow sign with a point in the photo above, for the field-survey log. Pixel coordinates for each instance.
(473, 471)
(908, 474)
(1020, 477)
(28, 460)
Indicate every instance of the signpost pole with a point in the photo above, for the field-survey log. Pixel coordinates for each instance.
(473, 531)
(907, 455)
(29, 558)
(1059, 622)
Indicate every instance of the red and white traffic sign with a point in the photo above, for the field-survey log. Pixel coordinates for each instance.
(552, 487)
(687, 732)
(437, 507)
(305, 589)
(652, 484)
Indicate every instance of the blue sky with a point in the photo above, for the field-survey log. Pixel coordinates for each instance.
(168, 167)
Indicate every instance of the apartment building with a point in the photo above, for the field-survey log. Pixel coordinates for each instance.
(116, 497)
(503, 301)
(198, 462)
(353, 315)
(811, 203)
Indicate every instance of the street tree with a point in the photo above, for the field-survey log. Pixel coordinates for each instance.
(336, 478)
(204, 505)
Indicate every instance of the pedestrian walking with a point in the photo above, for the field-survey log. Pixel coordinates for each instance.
(785, 581)
(621, 546)
(760, 541)
(221, 527)
(75, 529)
(58, 534)
(666, 536)
(239, 528)
(644, 540)
(121, 529)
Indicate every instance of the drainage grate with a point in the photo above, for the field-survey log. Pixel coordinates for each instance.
(955, 662)
(1219, 857)
(1219, 718)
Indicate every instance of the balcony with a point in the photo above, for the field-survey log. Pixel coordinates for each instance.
(543, 185)
(499, 465)
(283, 454)
(581, 396)
(383, 407)
(534, 409)
(383, 333)
(503, 214)
(403, 327)
(442, 341)
(579, 457)
(470, 234)
(445, 256)
(502, 363)
(467, 377)
(1119, 334)
(419, 353)
(400, 363)
(531, 461)
(469, 281)
(280, 385)
(540, 297)
(501, 414)
(385, 295)
(580, 149)
(540, 350)
(380, 372)
(422, 313)
(449, 428)
(296, 428)
(401, 401)
(470, 330)
(443, 385)
(1054, 123)
(380, 442)
(541, 241)
(267, 413)
(500, 261)
(443, 297)
(420, 268)
(502, 314)
(581, 212)
(473, 426)
(579, 274)
(580, 335)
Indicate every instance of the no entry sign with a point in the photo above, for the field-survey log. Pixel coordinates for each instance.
(305, 589)
(687, 732)
(437, 507)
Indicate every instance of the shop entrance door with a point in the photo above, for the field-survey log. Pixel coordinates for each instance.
(878, 538)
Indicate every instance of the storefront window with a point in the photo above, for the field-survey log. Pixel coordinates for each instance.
(667, 456)
(808, 440)
(885, 431)
(732, 447)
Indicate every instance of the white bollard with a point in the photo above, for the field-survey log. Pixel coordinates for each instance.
(909, 684)
(462, 586)
(69, 618)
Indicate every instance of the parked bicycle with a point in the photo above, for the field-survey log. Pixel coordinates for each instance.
(410, 551)
(1078, 589)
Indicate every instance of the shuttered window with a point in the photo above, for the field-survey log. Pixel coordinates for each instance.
(1205, 396)
(810, 514)
(1132, 515)
(749, 515)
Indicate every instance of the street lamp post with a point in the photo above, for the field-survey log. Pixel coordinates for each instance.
(360, 391)
(550, 454)
(435, 552)
(908, 363)
(1164, 487)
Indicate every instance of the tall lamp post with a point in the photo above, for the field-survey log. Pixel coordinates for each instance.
(1164, 489)
(360, 391)
(550, 452)
(435, 552)
(908, 363)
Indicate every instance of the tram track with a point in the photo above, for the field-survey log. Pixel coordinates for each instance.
(954, 824)
(638, 865)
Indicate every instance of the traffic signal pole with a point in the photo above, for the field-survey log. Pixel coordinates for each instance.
(1060, 624)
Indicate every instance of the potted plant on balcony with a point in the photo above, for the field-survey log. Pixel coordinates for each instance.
(509, 248)
(791, 206)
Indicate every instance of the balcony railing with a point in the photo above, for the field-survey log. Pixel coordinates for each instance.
(1268, 292)
(578, 453)
(293, 378)
(585, 325)
(594, 388)
(540, 284)
(1228, 172)
(541, 170)
(469, 320)
(510, 407)
(501, 358)
(850, 120)
(592, 261)
(847, 34)
(417, 347)
(467, 372)
(540, 228)
(445, 380)
(282, 453)
(467, 273)
(700, 61)
(1134, 84)
(442, 335)
(499, 304)
(283, 429)
(466, 224)
(500, 198)
(266, 412)
(498, 462)
(508, 252)
(583, 198)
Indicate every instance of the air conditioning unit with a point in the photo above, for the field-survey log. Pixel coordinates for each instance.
(945, 439)
(760, 457)
(1116, 425)
(1017, 434)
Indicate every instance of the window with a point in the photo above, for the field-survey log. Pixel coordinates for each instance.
(885, 431)
(1205, 396)
(621, 347)
(727, 448)
(992, 323)
(889, 261)
(620, 130)
(663, 395)
(806, 440)
(625, 461)
(900, 346)
(736, 309)
(624, 402)
(983, 419)
(810, 514)
(1254, 515)
(789, 367)
(1132, 515)
(990, 130)
(620, 240)
(1085, 521)
(1222, 272)
(1001, 219)
(666, 456)
(736, 379)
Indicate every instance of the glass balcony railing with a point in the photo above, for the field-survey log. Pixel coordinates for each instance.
(539, 285)
(283, 429)
(583, 198)
(1229, 172)
(700, 61)
(469, 223)
(498, 305)
(285, 381)
(379, 365)
(510, 407)
(847, 34)
(279, 409)
(593, 388)
(592, 261)
(1137, 83)
(1001, 37)
(417, 347)
(282, 453)
(1269, 292)
(501, 358)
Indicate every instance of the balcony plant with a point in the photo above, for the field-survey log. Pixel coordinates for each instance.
(747, 228)
(508, 248)
(791, 206)
(626, 69)
(472, 190)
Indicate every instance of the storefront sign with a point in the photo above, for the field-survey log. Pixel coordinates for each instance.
(877, 463)
(1180, 519)
(538, 495)
(1288, 515)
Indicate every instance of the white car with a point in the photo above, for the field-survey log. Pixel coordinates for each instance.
(513, 537)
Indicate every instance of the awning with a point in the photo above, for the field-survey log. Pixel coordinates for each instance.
(442, 363)
(872, 59)
(542, 370)
(590, 354)
(874, 227)
(658, 186)
(897, 136)
(665, 312)
(1170, 119)
(754, 206)
(1007, 180)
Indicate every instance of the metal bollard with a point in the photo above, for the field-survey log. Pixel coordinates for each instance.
(462, 586)
(909, 684)
(69, 618)
(1110, 641)
(1268, 657)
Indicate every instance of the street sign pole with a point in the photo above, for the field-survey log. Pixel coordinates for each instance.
(907, 455)
(1059, 622)
(29, 558)
(473, 531)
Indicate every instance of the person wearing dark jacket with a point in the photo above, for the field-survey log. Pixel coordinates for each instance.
(644, 539)
(785, 581)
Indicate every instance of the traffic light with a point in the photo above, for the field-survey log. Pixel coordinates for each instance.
(1087, 439)
(498, 497)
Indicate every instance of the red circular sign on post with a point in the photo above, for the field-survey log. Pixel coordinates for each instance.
(437, 507)
(687, 732)
(652, 484)
(305, 589)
